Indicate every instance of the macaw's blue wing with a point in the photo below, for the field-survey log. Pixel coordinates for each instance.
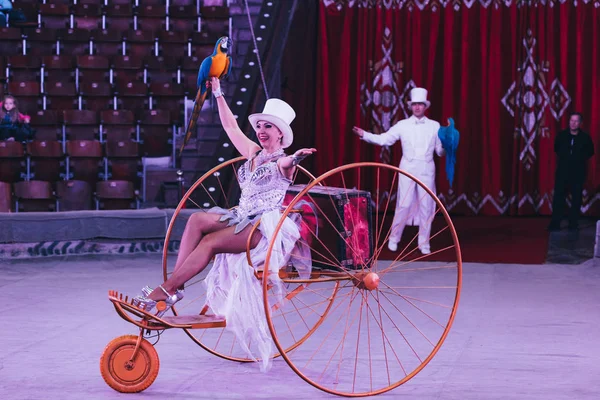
(449, 137)
(229, 63)
(203, 74)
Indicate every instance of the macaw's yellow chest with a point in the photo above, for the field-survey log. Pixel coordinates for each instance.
(218, 66)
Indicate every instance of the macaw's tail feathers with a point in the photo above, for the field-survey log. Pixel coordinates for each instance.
(198, 103)
(449, 137)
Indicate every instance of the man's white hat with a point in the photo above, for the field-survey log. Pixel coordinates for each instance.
(280, 114)
(419, 95)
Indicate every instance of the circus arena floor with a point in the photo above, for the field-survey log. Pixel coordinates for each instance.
(521, 332)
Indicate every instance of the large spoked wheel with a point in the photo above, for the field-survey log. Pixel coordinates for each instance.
(218, 187)
(124, 373)
(392, 310)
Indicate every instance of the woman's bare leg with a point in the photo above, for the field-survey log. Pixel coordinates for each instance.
(198, 225)
(222, 241)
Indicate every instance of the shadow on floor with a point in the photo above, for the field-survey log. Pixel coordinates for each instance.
(572, 247)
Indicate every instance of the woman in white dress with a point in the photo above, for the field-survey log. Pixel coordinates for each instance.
(232, 289)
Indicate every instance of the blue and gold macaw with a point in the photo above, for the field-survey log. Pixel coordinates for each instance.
(449, 137)
(217, 65)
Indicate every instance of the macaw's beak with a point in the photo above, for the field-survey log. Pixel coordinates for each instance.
(226, 43)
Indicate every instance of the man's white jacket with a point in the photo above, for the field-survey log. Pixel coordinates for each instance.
(419, 139)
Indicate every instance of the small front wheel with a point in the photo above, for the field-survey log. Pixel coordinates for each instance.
(126, 375)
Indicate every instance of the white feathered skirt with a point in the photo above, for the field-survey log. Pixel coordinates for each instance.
(234, 292)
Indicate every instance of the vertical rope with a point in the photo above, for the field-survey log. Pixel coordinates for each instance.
(262, 75)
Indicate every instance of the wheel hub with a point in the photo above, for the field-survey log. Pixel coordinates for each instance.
(366, 280)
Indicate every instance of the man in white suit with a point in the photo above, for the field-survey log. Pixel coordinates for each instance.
(419, 137)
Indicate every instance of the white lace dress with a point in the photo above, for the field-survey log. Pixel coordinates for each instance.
(233, 291)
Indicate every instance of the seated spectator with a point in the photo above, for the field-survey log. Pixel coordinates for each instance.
(5, 8)
(13, 124)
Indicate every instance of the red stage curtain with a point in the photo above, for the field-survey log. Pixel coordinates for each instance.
(508, 72)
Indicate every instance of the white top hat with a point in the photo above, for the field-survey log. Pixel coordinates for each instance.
(280, 114)
(419, 95)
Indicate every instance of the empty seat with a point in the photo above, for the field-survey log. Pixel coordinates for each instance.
(24, 88)
(58, 68)
(118, 17)
(93, 68)
(215, 12)
(84, 160)
(47, 125)
(183, 18)
(87, 16)
(117, 125)
(160, 76)
(150, 17)
(151, 2)
(2, 70)
(41, 41)
(190, 84)
(60, 95)
(54, 15)
(123, 161)
(116, 195)
(24, 68)
(80, 124)
(132, 95)
(74, 195)
(161, 69)
(34, 196)
(11, 41)
(44, 160)
(161, 62)
(108, 42)
(75, 41)
(215, 20)
(117, 117)
(203, 43)
(64, 2)
(184, 2)
(156, 133)
(167, 96)
(96, 96)
(189, 67)
(173, 44)
(5, 197)
(127, 68)
(140, 43)
(12, 161)
(28, 93)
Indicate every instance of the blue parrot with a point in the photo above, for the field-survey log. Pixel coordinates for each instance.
(217, 65)
(449, 137)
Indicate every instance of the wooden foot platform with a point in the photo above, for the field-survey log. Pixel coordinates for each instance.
(197, 321)
(125, 308)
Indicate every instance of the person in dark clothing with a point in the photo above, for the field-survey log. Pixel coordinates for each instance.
(573, 148)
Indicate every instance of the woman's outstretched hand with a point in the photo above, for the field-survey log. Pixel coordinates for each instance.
(303, 153)
(289, 162)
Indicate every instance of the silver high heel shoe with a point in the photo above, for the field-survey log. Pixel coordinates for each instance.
(147, 304)
(147, 290)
